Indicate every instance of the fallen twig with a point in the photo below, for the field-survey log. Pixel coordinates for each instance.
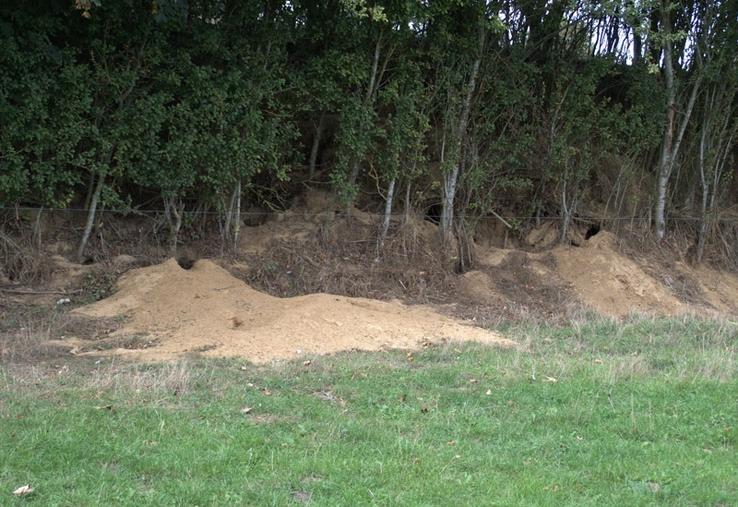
(39, 292)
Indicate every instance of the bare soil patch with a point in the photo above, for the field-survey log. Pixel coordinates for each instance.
(207, 310)
(312, 280)
(612, 283)
(598, 275)
(518, 285)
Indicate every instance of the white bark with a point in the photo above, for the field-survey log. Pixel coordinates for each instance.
(670, 146)
(702, 233)
(666, 144)
(237, 222)
(387, 213)
(91, 216)
(450, 180)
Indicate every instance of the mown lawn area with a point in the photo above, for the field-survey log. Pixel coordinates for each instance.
(596, 412)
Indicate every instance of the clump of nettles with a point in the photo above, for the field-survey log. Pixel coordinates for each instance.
(98, 284)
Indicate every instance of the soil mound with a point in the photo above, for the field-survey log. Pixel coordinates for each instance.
(205, 309)
(544, 236)
(480, 287)
(720, 288)
(596, 274)
(610, 282)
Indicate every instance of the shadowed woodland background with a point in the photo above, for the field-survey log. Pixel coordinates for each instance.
(616, 114)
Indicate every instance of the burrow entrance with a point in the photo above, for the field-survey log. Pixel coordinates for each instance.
(186, 262)
(592, 231)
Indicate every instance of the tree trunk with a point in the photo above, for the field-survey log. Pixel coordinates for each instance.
(356, 166)
(463, 237)
(710, 189)
(566, 210)
(637, 47)
(670, 145)
(450, 180)
(464, 247)
(637, 39)
(702, 232)
(91, 216)
(174, 209)
(375, 67)
(316, 146)
(670, 151)
(226, 232)
(237, 213)
(666, 144)
(447, 203)
(387, 213)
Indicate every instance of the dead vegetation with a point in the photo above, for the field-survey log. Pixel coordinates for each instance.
(21, 261)
(314, 248)
(345, 262)
(33, 332)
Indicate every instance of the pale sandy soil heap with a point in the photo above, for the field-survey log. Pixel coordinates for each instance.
(207, 310)
(720, 288)
(612, 283)
(604, 279)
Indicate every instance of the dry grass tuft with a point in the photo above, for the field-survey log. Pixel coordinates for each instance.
(167, 378)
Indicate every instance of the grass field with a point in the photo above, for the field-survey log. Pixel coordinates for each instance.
(594, 413)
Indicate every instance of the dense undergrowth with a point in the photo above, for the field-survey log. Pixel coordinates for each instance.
(209, 115)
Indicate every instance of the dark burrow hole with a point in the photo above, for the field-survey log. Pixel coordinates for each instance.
(433, 213)
(185, 262)
(592, 231)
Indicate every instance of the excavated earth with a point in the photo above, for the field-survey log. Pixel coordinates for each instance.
(596, 275)
(307, 254)
(206, 310)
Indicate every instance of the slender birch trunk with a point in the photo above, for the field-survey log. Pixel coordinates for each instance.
(91, 216)
(369, 98)
(237, 217)
(174, 210)
(387, 213)
(450, 181)
(670, 145)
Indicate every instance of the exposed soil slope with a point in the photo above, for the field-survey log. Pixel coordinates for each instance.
(719, 288)
(611, 283)
(205, 309)
(595, 275)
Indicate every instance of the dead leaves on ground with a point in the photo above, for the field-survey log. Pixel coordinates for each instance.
(23, 490)
(328, 395)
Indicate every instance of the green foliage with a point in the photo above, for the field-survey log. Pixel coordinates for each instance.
(355, 140)
(185, 100)
(405, 129)
(98, 284)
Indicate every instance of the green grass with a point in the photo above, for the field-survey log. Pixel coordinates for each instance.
(640, 413)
